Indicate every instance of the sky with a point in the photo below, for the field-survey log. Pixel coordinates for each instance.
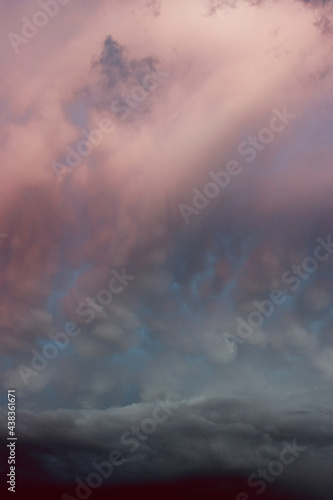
(166, 247)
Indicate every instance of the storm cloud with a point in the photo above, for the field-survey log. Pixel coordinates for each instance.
(235, 95)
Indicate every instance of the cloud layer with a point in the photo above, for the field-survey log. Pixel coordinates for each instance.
(187, 87)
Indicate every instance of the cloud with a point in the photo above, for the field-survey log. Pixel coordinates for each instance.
(213, 435)
(164, 335)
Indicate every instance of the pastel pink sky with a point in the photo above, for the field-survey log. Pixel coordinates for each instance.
(226, 73)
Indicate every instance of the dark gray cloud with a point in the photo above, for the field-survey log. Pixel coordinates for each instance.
(122, 84)
(210, 435)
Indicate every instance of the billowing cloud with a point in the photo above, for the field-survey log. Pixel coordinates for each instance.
(165, 196)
